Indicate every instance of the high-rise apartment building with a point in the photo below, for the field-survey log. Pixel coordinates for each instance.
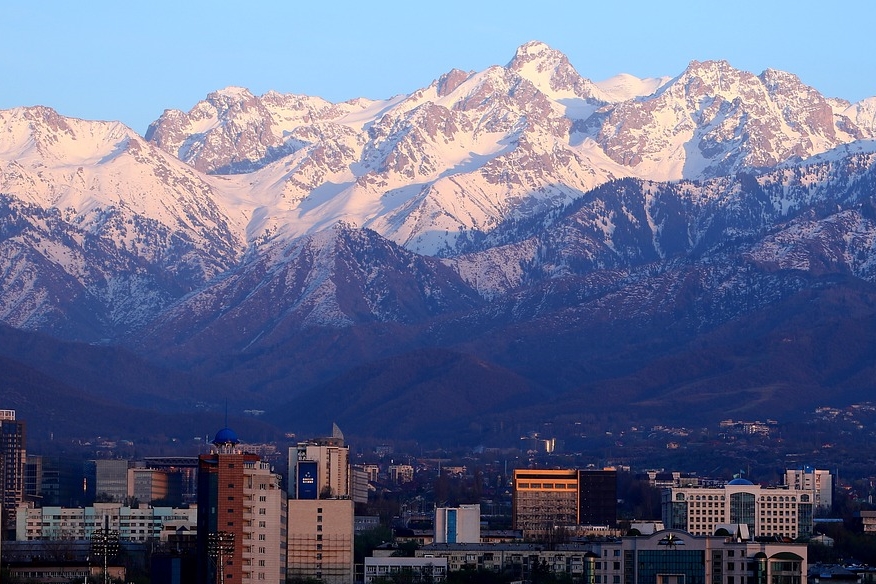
(321, 510)
(809, 478)
(319, 469)
(13, 464)
(241, 516)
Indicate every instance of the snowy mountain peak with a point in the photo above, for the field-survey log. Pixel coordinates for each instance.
(533, 50)
(552, 73)
(41, 133)
(234, 92)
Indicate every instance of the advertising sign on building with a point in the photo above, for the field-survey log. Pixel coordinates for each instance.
(307, 480)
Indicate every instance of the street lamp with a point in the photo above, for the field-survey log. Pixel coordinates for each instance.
(220, 544)
(105, 542)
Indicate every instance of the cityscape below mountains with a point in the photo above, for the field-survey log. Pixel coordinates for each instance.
(324, 510)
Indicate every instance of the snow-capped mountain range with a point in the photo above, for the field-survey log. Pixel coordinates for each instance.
(512, 197)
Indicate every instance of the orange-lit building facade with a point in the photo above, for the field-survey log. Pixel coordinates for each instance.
(547, 500)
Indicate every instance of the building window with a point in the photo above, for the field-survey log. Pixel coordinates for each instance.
(319, 509)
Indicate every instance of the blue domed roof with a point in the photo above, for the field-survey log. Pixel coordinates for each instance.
(740, 482)
(225, 436)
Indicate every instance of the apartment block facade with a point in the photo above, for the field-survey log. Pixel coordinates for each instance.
(77, 523)
(320, 540)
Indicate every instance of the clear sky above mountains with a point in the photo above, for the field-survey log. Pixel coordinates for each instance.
(129, 61)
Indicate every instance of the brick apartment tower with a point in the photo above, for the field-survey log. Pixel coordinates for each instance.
(239, 495)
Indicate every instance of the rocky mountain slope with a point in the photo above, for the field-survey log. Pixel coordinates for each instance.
(521, 223)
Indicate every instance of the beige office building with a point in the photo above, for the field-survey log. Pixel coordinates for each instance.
(766, 511)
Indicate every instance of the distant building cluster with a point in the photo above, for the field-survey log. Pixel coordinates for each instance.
(227, 516)
(748, 428)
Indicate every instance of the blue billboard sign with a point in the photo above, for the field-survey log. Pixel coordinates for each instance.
(307, 480)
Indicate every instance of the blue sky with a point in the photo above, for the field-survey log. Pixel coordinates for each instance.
(129, 61)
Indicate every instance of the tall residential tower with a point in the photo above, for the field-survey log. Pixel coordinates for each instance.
(13, 463)
(241, 516)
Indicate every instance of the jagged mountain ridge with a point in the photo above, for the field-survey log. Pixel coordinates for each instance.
(475, 149)
(274, 243)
